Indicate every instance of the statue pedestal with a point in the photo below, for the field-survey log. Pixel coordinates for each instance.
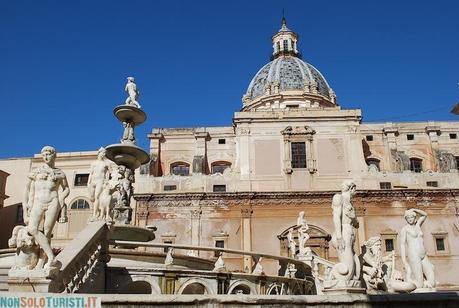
(38, 280)
(344, 290)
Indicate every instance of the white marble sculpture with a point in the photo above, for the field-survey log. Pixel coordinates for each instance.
(346, 272)
(27, 250)
(303, 235)
(291, 243)
(44, 199)
(419, 269)
(128, 134)
(376, 268)
(98, 183)
(133, 93)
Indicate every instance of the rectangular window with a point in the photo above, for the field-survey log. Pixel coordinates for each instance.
(81, 179)
(369, 137)
(221, 141)
(285, 45)
(416, 165)
(452, 136)
(219, 188)
(389, 244)
(440, 243)
(432, 184)
(410, 137)
(298, 155)
(219, 244)
(19, 215)
(170, 187)
(166, 248)
(385, 185)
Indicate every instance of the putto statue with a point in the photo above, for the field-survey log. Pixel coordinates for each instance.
(98, 182)
(133, 93)
(419, 269)
(44, 200)
(376, 269)
(303, 236)
(346, 272)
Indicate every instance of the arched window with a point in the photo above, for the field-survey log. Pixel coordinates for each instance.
(416, 165)
(180, 168)
(80, 204)
(373, 164)
(194, 288)
(220, 166)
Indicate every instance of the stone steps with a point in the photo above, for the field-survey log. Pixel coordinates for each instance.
(4, 279)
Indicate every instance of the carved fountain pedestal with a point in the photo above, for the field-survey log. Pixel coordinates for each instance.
(128, 157)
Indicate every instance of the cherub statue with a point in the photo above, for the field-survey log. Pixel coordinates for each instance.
(133, 93)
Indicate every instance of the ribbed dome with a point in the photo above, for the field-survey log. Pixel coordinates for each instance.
(289, 73)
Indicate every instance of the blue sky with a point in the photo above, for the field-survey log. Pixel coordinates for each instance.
(64, 63)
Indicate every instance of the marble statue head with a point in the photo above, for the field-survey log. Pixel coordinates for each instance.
(373, 245)
(348, 185)
(131, 79)
(49, 154)
(101, 153)
(410, 216)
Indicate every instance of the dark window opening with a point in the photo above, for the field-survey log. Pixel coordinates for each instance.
(298, 155)
(369, 137)
(389, 244)
(285, 45)
(166, 248)
(373, 164)
(80, 204)
(452, 136)
(457, 162)
(410, 137)
(19, 214)
(221, 141)
(278, 46)
(81, 179)
(219, 244)
(385, 185)
(416, 165)
(219, 188)
(220, 167)
(432, 184)
(170, 187)
(440, 243)
(182, 169)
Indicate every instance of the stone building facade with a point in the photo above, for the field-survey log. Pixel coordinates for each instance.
(289, 149)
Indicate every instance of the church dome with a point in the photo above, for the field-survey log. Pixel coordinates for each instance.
(287, 80)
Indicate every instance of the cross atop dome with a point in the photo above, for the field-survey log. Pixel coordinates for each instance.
(285, 42)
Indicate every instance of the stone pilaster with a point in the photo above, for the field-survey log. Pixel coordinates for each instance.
(391, 133)
(200, 153)
(246, 224)
(196, 227)
(156, 137)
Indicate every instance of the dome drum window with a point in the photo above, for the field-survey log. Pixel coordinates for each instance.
(180, 168)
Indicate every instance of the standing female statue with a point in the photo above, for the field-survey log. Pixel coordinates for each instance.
(413, 252)
(303, 236)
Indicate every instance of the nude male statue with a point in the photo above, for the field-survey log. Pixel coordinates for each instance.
(131, 89)
(98, 175)
(343, 239)
(45, 193)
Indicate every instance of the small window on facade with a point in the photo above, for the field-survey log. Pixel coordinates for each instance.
(166, 242)
(81, 179)
(440, 243)
(298, 155)
(221, 141)
(278, 46)
(385, 185)
(373, 164)
(180, 168)
(219, 244)
(80, 204)
(389, 244)
(432, 183)
(220, 167)
(19, 214)
(410, 137)
(291, 43)
(285, 45)
(452, 136)
(369, 137)
(219, 188)
(416, 165)
(170, 187)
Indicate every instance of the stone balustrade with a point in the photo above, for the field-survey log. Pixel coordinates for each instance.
(83, 260)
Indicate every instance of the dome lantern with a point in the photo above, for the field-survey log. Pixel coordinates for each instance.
(285, 42)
